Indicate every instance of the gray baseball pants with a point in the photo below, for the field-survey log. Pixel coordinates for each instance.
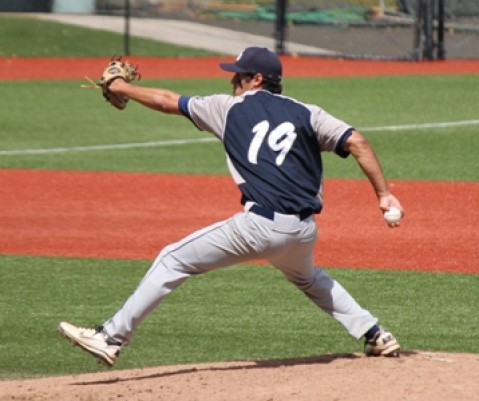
(286, 242)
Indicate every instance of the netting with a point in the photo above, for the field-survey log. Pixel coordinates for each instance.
(370, 29)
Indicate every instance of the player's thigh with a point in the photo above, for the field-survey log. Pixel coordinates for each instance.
(218, 245)
(296, 260)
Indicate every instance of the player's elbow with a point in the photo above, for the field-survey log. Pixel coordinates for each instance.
(357, 143)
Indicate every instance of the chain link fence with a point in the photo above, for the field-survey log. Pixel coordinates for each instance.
(363, 29)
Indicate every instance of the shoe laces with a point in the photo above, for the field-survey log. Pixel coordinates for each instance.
(87, 331)
(106, 337)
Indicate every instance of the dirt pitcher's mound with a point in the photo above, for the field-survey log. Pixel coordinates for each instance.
(414, 376)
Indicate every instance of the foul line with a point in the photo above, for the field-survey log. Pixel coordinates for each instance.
(405, 127)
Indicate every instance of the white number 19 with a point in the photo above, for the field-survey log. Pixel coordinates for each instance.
(280, 140)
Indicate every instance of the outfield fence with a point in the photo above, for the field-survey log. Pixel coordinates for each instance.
(363, 29)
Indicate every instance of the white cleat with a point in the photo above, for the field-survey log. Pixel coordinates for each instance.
(94, 341)
(383, 344)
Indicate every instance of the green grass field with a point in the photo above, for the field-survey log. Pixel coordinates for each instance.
(245, 312)
(59, 114)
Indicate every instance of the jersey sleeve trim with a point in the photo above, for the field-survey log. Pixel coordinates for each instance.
(339, 150)
(183, 102)
(183, 106)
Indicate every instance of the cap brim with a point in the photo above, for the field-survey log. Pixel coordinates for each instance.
(231, 67)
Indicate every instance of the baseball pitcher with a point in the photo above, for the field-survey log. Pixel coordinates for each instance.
(273, 144)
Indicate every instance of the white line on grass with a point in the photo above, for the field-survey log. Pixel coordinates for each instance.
(104, 147)
(405, 127)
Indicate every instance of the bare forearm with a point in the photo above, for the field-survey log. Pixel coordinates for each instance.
(369, 163)
(162, 100)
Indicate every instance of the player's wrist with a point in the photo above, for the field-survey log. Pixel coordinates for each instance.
(116, 85)
(384, 193)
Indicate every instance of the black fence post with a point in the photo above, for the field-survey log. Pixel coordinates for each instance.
(127, 27)
(418, 29)
(441, 15)
(280, 32)
(428, 51)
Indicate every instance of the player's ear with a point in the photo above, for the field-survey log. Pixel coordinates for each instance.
(258, 80)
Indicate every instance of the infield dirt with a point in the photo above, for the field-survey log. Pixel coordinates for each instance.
(349, 377)
(119, 216)
(415, 376)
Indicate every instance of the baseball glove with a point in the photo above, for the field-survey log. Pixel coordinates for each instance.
(117, 69)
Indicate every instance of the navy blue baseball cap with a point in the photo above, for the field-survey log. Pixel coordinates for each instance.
(256, 60)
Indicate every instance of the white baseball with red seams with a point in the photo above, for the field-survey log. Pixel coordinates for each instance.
(393, 215)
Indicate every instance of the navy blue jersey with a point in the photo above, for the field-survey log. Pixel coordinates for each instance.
(273, 145)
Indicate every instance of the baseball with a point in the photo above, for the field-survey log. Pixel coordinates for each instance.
(393, 215)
